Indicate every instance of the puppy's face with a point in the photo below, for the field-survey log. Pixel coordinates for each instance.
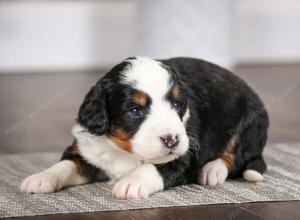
(141, 109)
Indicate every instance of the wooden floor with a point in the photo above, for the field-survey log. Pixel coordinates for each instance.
(253, 211)
(38, 110)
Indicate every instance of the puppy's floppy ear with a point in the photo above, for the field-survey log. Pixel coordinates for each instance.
(93, 111)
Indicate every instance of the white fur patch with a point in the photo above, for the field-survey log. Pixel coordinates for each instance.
(139, 184)
(101, 152)
(149, 76)
(252, 176)
(56, 177)
(213, 173)
(186, 116)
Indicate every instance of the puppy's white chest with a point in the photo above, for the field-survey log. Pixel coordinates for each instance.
(116, 164)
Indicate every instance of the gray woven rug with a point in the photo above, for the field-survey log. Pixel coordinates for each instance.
(282, 182)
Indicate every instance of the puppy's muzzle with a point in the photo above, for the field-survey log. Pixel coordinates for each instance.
(170, 141)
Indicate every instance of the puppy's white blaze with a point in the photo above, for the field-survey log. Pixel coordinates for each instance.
(149, 76)
(252, 176)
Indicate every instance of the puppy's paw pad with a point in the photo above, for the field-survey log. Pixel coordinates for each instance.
(38, 183)
(130, 188)
(213, 173)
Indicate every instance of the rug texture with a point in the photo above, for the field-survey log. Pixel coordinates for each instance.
(282, 182)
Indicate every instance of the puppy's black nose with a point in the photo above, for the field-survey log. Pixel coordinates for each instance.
(169, 141)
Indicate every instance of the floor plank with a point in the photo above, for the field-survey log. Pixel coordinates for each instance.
(226, 212)
(260, 210)
(274, 210)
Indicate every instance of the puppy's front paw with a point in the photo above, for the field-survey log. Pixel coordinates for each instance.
(39, 183)
(213, 173)
(130, 188)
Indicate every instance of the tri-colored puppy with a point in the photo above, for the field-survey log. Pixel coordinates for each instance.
(148, 125)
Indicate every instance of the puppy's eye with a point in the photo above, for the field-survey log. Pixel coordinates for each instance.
(177, 105)
(136, 112)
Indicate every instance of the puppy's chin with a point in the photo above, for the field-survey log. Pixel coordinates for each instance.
(162, 159)
(156, 154)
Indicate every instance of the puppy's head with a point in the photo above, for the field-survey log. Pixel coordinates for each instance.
(141, 107)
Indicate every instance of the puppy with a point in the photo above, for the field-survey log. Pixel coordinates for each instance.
(148, 125)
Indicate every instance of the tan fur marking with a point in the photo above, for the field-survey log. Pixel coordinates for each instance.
(175, 92)
(229, 155)
(140, 98)
(79, 170)
(120, 138)
(74, 150)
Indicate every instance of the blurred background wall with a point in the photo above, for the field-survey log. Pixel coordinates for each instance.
(51, 35)
(53, 51)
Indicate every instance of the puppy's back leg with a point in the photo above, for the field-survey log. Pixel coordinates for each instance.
(254, 170)
(216, 172)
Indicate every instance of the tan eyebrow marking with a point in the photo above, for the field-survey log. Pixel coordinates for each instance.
(140, 98)
(175, 92)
